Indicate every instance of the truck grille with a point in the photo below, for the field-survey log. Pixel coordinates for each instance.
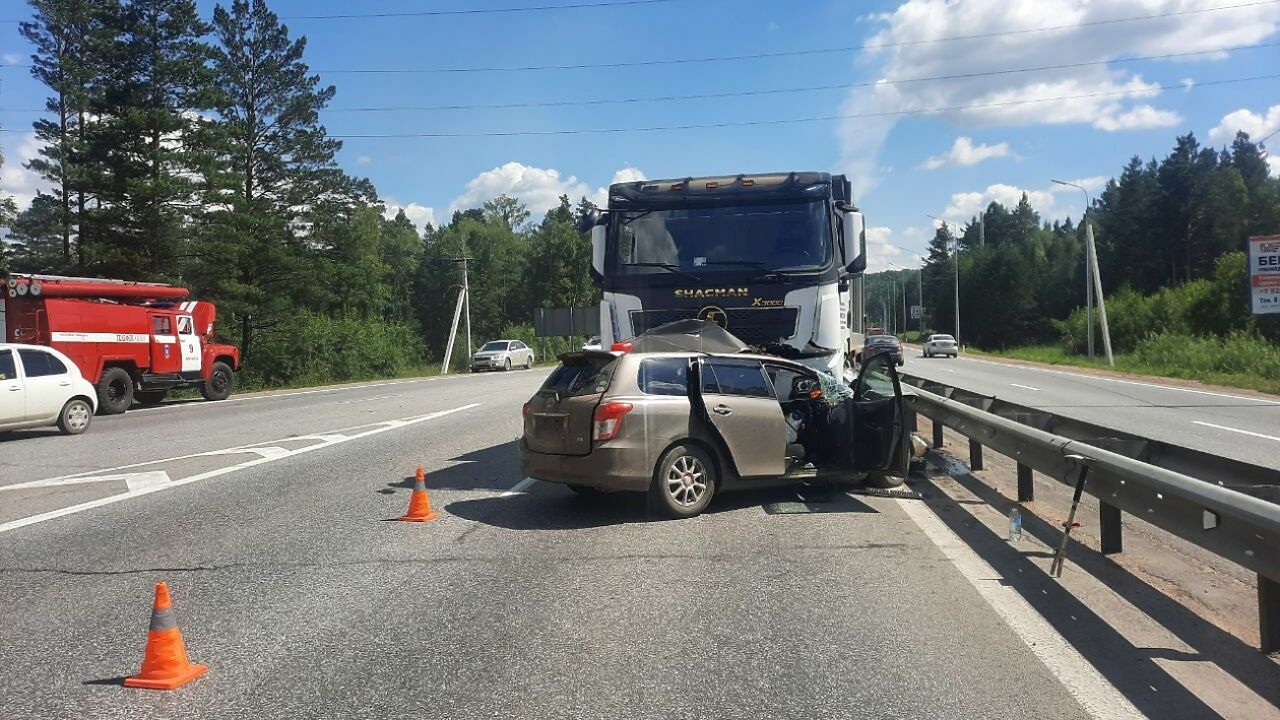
(754, 326)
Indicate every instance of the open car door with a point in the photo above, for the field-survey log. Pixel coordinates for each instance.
(872, 425)
(736, 399)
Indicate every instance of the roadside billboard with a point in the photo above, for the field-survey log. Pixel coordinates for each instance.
(1264, 274)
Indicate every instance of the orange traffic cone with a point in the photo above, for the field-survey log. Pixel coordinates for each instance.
(165, 665)
(419, 503)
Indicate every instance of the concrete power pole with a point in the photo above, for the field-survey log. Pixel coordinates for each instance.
(1093, 280)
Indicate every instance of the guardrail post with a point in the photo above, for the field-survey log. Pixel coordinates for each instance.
(912, 424)
(1109, 521)
(1268, 613)
(1026, 488)
(975, 455)
(937, 433)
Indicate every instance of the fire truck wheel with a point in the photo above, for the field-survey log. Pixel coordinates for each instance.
(218, 386)
(75, 416)
(115, 391)
(150, 397)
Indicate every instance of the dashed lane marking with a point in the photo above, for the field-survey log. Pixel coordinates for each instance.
(1238, 430)
(267, 452)
(1024, 387)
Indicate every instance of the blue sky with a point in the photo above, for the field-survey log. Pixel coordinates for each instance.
(903, 166)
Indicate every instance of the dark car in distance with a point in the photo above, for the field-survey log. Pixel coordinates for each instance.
(880, 345)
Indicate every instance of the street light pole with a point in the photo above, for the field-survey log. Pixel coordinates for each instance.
(1094, 279)
(956, 240)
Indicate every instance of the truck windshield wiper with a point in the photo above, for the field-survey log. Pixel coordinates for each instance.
(669, 267)
(766, 271)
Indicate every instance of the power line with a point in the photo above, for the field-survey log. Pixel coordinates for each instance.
(479, 11)
(778, 121)
(770, 91)
(468, 11)
(802, 89)
(796, 53)
(787, 121)
(769, 55)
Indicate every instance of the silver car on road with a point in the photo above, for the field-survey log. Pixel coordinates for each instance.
(941, 345)
(682, 426)
(502, 355)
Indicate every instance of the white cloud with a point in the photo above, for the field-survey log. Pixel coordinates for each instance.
(964, 152)
(11, 58)
(1188, 84)
(1273, 163)
(16, 181)
(363, 160)
(911, 27)
(419, 215)
(538, 188)
(1139, 118)
(628, 174)
(1258, 126)
(881, 250)
(966, 205)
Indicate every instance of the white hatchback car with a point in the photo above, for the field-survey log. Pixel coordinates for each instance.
(41, 386)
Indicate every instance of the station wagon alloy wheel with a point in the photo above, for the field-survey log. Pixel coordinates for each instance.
(687, 481)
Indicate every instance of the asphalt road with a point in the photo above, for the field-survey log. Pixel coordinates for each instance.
(1232, 423)
(268, 519)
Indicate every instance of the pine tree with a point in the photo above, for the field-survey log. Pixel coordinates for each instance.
(151, 143)
(276, 172)
(69, 37)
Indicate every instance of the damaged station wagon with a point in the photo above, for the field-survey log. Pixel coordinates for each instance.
(687, 410)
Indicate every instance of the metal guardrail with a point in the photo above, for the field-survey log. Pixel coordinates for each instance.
(1199, 509)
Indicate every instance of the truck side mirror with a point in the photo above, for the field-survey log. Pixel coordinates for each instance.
(855, 240)
(588, 220)
(598, 233)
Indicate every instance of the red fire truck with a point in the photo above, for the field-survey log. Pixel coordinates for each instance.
(133, 341)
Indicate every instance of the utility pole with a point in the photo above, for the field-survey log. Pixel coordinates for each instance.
(1093, 279)
(955, 239)
(466, 291)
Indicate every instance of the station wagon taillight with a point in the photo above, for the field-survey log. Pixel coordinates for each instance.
(608, 420)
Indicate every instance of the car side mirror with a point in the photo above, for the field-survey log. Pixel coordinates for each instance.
(854, 238)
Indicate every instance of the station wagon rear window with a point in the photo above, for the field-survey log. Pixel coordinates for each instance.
(580, 376)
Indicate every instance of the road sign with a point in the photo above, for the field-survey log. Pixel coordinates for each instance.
(918, 311)
(1264, 274)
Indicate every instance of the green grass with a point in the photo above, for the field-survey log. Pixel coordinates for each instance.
(1235, 361)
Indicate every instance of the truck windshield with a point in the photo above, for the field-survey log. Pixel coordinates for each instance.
(778, 236)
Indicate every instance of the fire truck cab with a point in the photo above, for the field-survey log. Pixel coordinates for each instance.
(133, 341)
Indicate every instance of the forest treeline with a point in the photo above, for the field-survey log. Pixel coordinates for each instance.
(182, 150)
(1170, 235)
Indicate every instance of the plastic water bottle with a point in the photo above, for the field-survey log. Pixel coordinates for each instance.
(1015, 525)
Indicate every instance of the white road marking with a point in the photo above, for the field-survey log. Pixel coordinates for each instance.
(1025, 387)
(368, 399)
(1128, 382)
(316, 391)
(519, 487)
(1238, 430)
(141, 479)
(334, 439)
(1095, 694)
